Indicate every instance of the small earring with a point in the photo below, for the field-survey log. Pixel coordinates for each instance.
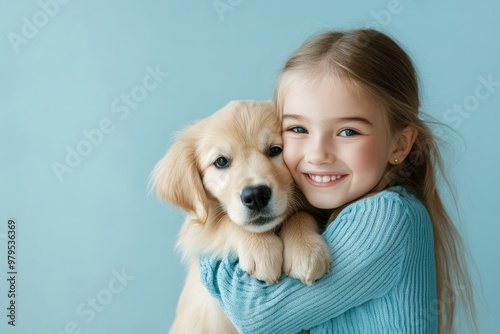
(396, 161)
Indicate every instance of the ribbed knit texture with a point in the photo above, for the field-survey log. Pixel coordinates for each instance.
(382, 277)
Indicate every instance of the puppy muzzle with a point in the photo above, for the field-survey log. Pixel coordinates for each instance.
(256, 198)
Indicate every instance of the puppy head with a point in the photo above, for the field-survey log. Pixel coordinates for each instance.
(233, 159)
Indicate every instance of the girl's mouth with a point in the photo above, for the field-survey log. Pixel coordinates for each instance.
(325, 179)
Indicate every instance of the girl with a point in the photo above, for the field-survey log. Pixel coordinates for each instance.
(354, 143)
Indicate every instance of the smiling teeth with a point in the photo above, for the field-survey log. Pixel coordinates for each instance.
(324, 179)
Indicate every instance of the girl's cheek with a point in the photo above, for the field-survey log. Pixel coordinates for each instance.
(289, 155)
(287, 159)
(367, 155)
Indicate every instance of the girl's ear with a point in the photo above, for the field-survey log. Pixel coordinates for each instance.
(177, 179)
(404, 143)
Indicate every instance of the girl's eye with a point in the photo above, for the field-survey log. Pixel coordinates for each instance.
(275, 151)
(298, 129)
(348, 133)
(221, 162)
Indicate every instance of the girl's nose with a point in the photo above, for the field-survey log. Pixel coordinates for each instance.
(319, 153)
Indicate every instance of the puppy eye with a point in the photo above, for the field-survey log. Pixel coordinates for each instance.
(275, 151)
(221, 162)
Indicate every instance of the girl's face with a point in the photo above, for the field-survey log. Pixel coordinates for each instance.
(335, 143)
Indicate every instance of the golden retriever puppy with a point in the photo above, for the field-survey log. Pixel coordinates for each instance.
(227, 172)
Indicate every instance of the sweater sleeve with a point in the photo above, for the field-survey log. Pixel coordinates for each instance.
(367, 242)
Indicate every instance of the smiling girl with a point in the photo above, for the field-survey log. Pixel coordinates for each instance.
(355, 143)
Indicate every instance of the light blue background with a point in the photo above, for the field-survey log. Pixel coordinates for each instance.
(76, 233)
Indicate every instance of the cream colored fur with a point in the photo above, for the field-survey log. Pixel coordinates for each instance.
(279, 238)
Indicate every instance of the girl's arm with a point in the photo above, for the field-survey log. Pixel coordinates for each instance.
(367, 242)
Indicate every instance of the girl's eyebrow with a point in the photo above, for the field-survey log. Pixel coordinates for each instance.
(354, 119)
(336, 119)
(292, 116)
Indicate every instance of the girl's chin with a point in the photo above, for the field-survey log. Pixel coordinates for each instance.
(322, 204)
(328, 199)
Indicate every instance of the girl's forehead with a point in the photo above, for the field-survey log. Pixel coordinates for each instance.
(301, 81)
(346, 93)
(304, 84)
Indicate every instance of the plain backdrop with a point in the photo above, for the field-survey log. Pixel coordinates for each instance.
(92, 93)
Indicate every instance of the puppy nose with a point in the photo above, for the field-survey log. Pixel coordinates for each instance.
(256, 198)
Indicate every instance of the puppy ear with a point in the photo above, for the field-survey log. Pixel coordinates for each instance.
(177, 179)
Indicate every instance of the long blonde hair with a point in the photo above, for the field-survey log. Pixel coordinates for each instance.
(375, 65)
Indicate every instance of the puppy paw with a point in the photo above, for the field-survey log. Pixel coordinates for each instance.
(261, 256)
(307, 258)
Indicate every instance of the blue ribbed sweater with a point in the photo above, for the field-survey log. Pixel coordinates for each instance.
(382, 277)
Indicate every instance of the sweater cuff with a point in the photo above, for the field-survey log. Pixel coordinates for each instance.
(208, 267)
(211, 269)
